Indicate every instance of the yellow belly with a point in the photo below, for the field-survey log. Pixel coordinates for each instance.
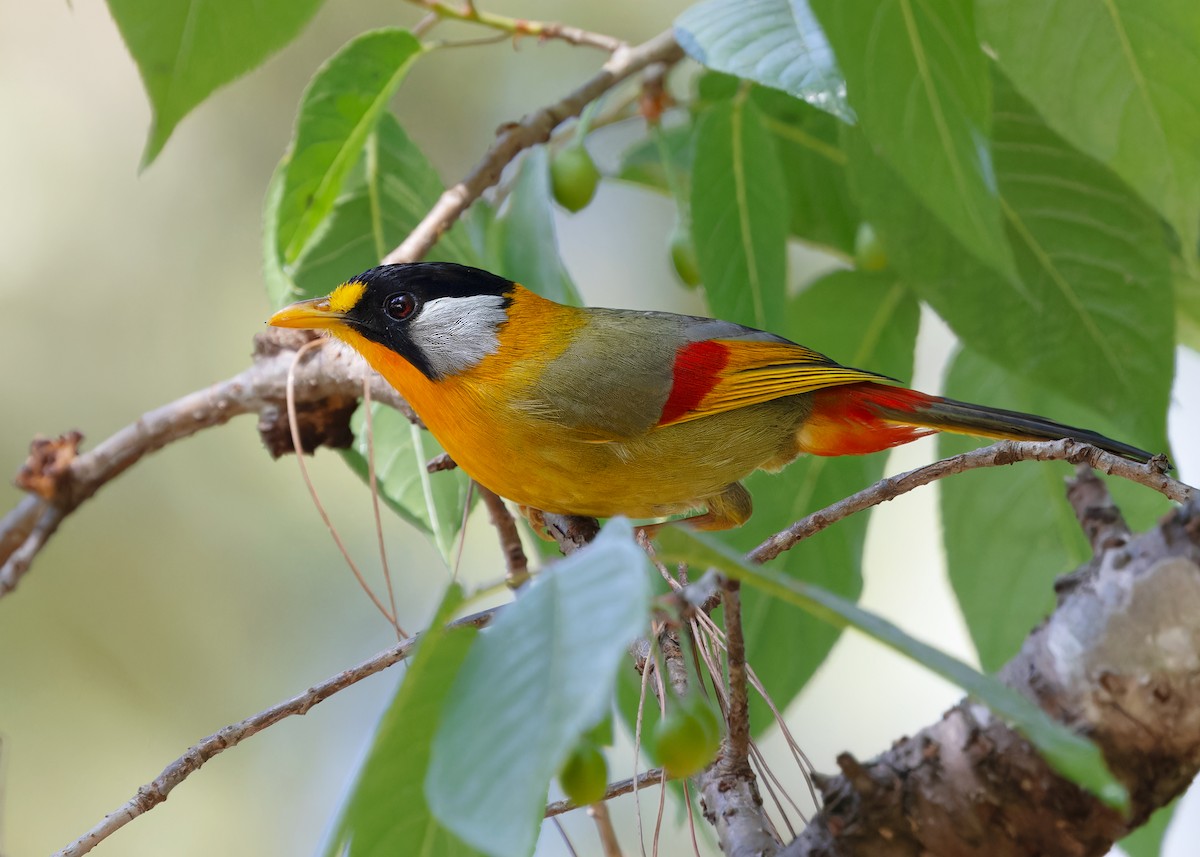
(666, 471)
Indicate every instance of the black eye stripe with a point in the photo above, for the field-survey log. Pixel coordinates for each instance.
(400, 306)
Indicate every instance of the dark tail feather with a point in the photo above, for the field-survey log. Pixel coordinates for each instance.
(963, 418)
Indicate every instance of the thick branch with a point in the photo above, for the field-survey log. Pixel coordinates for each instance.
(1117, 660)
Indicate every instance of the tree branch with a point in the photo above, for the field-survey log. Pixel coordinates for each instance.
(1117, 660)
(520, 26)
(516, 564)
(157, 790)
(728, 789)
(533, 129)
(1004, 452)
(654, 776)
(330, 372)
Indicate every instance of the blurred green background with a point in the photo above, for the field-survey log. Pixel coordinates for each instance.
(201, 587)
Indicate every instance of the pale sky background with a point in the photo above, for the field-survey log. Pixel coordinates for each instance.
(201, 588)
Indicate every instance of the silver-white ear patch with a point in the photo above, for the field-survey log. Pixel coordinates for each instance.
(455, 334)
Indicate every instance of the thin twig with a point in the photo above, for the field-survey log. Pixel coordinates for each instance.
(638, 723)
(515, 562)
(652, 777)
(562, 831)
(604, 828)
(298, 447)
(737, 750)
(369, 431)
(157, 790)
(1001, 453)
(533, 129)
(691, 817)
(521, 27)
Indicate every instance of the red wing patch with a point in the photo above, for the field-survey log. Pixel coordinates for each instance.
(696, 371)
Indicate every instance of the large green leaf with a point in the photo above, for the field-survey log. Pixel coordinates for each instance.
(773, 42)
(186, 50)
(521, 241)
(1072, 755)
(1009, 532)
(1120, 80)
(386, 812)
(821, 209)
(337, 113)
(387, 193)
(537, 679)
(919, 83)
(861, 320)
(1091, 315)
(432, 502)
(739, 214)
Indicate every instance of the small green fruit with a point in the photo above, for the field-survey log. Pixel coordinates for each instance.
(869, 254)
(574, 177)
(584, 776)
(683, 257)
(687, 739)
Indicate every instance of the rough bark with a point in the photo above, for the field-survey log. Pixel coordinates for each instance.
(1119, 660)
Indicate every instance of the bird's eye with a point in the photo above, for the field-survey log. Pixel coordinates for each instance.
(400, 306)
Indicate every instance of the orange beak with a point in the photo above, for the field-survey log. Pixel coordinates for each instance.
(314, 314)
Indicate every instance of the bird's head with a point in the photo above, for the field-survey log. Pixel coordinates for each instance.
(440, 317)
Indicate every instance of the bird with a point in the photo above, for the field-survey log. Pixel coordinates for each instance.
(603, 412)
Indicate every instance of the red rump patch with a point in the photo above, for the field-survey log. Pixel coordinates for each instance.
(894, 398)
(696, 371)
(847, 420)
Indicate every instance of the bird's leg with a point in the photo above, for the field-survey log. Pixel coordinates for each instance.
(731, 508)
(537, 522)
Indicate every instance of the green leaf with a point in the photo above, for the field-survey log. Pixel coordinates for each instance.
(821, 209)
(185, 51)
(739, 215)
(1009, 532)
(1120, 80)
(389, 190)
(860, 319)
(642, 163)
(539, 677)
(521, 241)
(773, 42)
(919, 83)
(1147, 840)
(387, 193)
(1071, 755)
(1187, 309)
(280, 288)
(1091, 315)
(337, 113)
(386, 812)
(431, 502)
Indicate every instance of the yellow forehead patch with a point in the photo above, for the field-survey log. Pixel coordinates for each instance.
(345, 296)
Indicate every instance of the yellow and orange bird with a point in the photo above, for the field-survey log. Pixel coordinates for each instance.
(603, 412)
